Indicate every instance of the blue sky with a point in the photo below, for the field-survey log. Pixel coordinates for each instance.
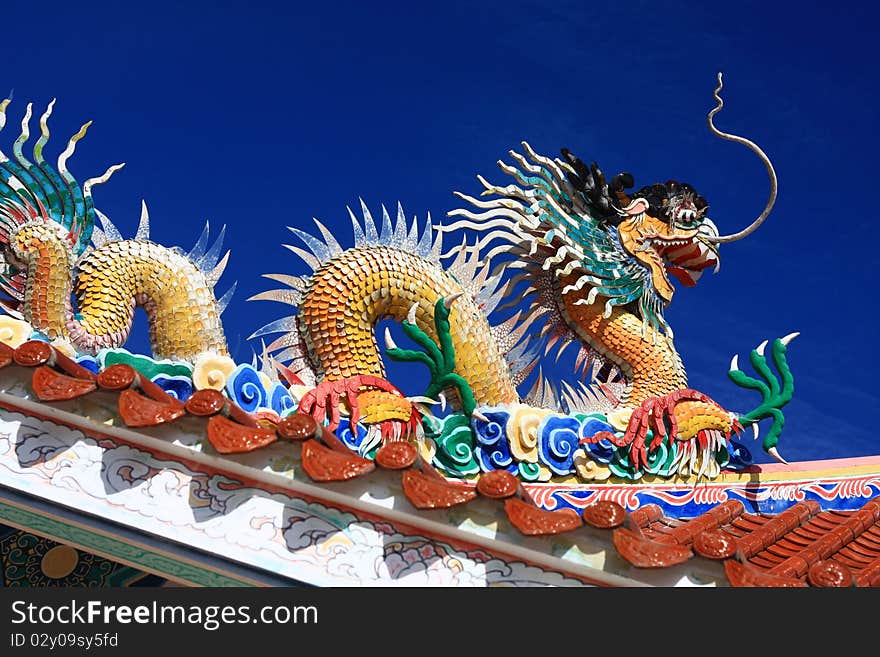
(263, 115)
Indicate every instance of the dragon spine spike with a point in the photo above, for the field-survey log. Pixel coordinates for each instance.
(295, 282)
(224, 300)
(288, 296)
(461, 257)
(332, 245)
(468, 270)
(490, 296)
(369, 225)
(567, 340)
(290, 339)
(734, 363)
(400, 229)
(266, 362)
(214, 275)
(359, 237)
(437, 249)
(425, 243)
(111, 233)
(521, 353)
(198, 250)
(411, 315)
(532, 398)
(412, 237)
(316, 246)
(306, 257)
(478, 280)
(387, 234)
(760, 348)
(521, 371)
(143, 229)
(279, 325)
(209, 261)
(293, 354)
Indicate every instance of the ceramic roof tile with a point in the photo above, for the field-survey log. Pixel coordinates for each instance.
(801, 546)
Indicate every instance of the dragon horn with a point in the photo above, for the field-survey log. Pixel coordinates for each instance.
(754, 147)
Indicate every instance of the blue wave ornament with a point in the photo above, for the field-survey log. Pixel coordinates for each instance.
(739, 456)
(351, 439)
(179, 387)
(89, 362)
(245, 388)
(558, 440)
(602, 450)
(280, 400)
(492, 451)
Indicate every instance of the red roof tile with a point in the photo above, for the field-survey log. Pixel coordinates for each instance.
(802, 546)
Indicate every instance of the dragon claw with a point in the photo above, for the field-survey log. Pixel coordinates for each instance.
(411, 315)
(326, 396)
(788, 338)
(775, 454)
(658, 414)
(448, 301)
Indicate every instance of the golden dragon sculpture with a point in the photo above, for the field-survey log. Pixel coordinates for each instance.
(78, 284)
(590, 259)
(575, 259)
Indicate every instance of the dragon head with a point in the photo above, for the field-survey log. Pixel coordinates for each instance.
(665, 228)
(603, 244)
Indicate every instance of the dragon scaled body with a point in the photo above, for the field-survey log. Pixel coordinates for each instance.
(393, 275)
(80, 284)
(586, 262)
(332, 337)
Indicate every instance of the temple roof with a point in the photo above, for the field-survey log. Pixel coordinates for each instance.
(730, 539)
(802, 546)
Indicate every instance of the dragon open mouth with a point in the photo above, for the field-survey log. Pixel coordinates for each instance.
(685, 259)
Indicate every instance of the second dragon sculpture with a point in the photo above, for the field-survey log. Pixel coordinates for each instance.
(77, 284)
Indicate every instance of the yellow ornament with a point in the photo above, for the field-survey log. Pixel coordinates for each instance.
(64, 347)
(212, 371)
(14, 332)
